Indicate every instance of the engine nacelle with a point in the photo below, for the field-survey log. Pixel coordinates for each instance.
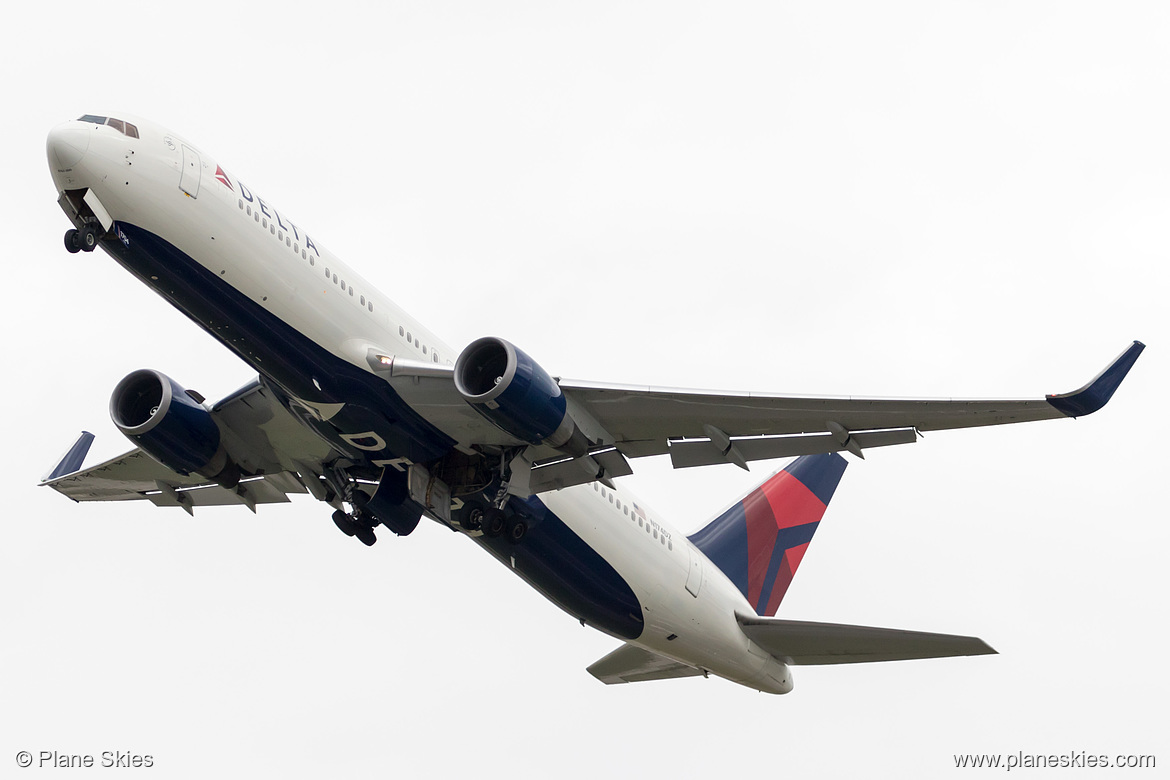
(391, 504)
(515, 394)
(156, 413)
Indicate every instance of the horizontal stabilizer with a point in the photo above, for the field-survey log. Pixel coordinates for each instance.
(809, 644)
(633, 664)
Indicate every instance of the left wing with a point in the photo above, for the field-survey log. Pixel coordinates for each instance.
(700, 427)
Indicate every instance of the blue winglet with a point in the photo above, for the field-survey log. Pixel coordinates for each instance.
(1097, 393)
(72, 459)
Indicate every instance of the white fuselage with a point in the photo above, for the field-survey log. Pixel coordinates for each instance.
(160, 185)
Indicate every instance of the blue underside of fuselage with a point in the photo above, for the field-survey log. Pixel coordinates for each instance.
(295, 365)
(551, 557)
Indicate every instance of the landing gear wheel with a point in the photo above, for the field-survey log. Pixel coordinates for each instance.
(493, 522)
(88, 238)
(344, 523)
(472, 518)
(72, 241)
(516, 529)
(366, 535)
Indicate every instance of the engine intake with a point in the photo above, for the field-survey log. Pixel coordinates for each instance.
(507, 387)
(157, 414)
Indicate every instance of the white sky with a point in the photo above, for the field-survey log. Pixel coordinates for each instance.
(918, 199)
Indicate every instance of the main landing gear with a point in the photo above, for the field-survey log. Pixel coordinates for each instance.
(82, 240)
(494, 522)
(352, 526)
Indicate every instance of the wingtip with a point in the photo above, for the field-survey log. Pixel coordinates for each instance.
(1097, 393)
(73, 458)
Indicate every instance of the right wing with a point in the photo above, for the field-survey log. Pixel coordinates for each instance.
(262, 436)
(799, 643)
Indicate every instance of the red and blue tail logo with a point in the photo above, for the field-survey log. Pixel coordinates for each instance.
(759, 542)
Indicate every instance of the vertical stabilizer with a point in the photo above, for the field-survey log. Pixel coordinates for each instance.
(759, 542)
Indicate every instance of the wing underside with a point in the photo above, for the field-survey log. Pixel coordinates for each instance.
(700, 428)
(693, 427)
(263, 438)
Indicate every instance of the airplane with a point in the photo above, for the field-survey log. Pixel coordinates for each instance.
(362, 407)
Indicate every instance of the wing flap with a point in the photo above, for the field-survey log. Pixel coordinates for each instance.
(135, 475)
(802, 643)
(268, 489)
(630, 663)
(128, 476)
(705, 452)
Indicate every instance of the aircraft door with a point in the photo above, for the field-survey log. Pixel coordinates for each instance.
(189, 176)
(695, 574)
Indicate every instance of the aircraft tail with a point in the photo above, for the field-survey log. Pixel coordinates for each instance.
(759, 542)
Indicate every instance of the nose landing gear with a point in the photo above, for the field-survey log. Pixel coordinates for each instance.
(82, 240)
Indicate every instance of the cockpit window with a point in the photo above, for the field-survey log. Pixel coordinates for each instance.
(125, 128)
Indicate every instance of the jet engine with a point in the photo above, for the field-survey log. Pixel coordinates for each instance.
(507, 387)
(168, 424)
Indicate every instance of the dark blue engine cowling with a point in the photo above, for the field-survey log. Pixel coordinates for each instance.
(507, 387)
(156, 413)
(391, 504)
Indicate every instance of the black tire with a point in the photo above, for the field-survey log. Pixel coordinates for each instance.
(470, 519)
(517, 528)
(72, 241)
(366, 535)
(88, 238)
(344, 523)
(494, 522)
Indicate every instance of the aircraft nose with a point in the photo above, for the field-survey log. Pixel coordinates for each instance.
(67, 144)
